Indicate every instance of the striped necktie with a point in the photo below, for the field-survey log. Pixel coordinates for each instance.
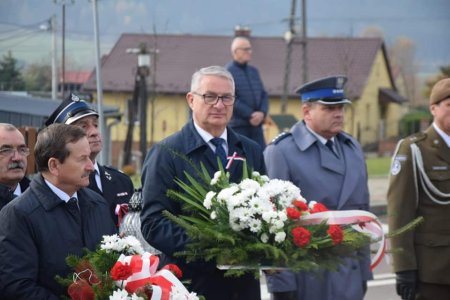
(220, 152)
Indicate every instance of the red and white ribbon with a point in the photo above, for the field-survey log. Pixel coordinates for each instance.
(232, 158)
(144, 269)
(121, 210)
(363, 221)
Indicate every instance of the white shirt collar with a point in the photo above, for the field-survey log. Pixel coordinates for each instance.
(443, 135)
(18, 190)
(318, 136)
(206, 136)
(62, 195)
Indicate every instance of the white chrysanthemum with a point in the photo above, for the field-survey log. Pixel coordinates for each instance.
(216, 177)
(280, 236)
(264, 238)
(249, 185)
(268, 215)
(227, 193)
(119, 295)
(132, 245)
(255, 225)
(208, 199)
(311, 204)
(178, 294)
(265, 178)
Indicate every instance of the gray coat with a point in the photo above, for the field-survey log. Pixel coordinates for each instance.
(340, 184)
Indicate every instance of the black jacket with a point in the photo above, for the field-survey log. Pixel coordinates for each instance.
(161, 167)
(37, 233)
(6, 194)
(117, 188)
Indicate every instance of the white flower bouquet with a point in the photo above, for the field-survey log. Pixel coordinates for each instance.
(259, 222)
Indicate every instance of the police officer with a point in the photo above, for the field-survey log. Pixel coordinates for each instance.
(328, 166)
(115, 186)
(420, 186)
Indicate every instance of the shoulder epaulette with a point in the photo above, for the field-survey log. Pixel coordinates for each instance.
(113, 169)
(417, 137)
(280, 137)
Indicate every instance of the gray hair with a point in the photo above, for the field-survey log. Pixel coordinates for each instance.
(8, 127)
(210, 71)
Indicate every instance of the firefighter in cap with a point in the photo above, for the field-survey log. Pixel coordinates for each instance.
(420, 186)
(115, 186)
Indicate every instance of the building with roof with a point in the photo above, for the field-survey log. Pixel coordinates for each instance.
(373, 116)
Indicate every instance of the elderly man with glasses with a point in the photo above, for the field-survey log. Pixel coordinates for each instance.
(204, 139)
(13, 163)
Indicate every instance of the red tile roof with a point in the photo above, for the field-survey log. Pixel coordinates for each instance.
(76, 77)
(181, 55)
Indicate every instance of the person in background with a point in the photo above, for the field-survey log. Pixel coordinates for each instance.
(115, 186)
(205, 137)
(328, 166)
(419, 185)
(13, 163)
(56, 216)
(252, 103)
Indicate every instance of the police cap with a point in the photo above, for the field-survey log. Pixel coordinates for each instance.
(71, 110)
(328, 90)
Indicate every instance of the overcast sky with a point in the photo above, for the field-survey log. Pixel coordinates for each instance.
(425, 22)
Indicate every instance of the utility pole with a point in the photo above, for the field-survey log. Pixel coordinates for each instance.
(304, 44)
(54, 69)
(63, 41)
(98, 72)
(288, 37)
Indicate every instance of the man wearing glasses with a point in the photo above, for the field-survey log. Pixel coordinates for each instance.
(13, 163)
(252, 102)
(204, 139)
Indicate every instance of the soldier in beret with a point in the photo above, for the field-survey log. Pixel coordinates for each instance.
(328, 166)
(420, 186)
(115, 186)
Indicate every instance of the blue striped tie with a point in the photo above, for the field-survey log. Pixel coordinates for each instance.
(220, 152)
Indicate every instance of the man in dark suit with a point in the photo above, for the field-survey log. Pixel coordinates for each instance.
(328, 166)
(420, 186)
(115, 186)
(56, 216)
(13, 163)
(211, 100)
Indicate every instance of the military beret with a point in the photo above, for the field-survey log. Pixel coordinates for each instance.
(71, 110)
(328, 90)
(440, 91)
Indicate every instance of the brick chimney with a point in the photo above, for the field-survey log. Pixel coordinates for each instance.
(242, 31)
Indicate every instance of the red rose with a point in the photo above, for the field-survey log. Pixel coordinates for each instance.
(318, 207)
(174, 269)
(301, 236)
(293, 213)
(121, 271)
(300, 205)
(336, 234)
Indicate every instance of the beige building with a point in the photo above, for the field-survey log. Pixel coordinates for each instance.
(373, 117)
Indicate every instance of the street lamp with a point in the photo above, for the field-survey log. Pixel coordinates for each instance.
(138, 102)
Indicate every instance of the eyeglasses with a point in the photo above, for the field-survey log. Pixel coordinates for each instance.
(10, 151)
(246, 49)
(212, 99)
